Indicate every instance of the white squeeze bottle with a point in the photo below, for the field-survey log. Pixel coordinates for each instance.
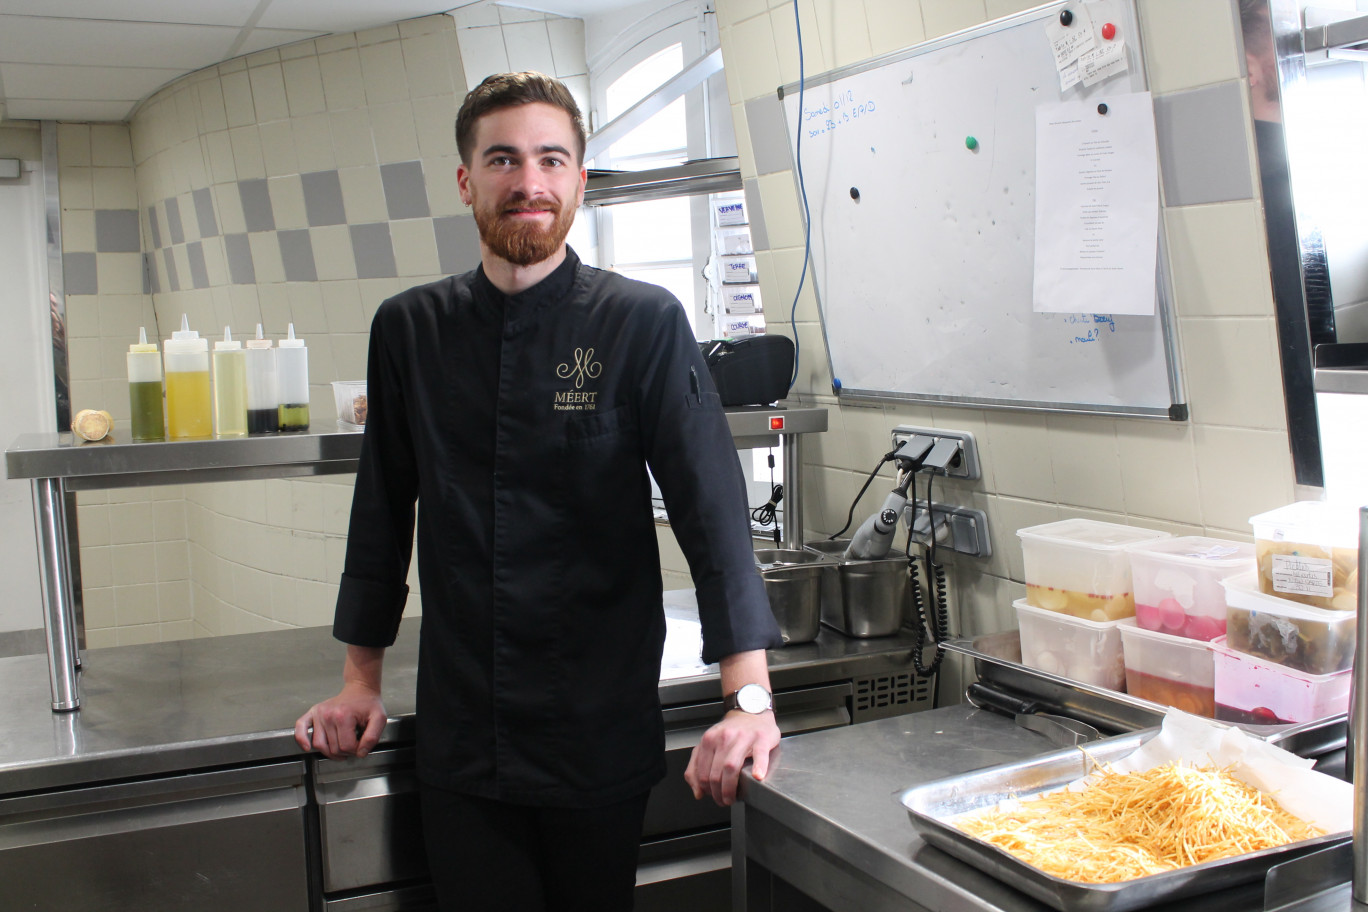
(230, 387)
(188, 409)
(145, 389)
(263, 398)
(292, 373)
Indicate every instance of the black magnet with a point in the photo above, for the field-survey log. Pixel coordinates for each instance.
(1065, 17)
(1102, 108)
(855, 193)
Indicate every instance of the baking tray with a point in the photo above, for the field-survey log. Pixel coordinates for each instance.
(997, 661)
(933, 804)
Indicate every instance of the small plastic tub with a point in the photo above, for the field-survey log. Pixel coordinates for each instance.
(1285, 632)
(1080, 567)
(1251, 690)
(1178, 583)
(1308, 552)
(350, 398)
(1071, 647)
(1169, 670)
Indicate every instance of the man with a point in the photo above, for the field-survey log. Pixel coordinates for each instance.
(520, 404)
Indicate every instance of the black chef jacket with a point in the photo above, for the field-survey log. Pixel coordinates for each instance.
(523, 425)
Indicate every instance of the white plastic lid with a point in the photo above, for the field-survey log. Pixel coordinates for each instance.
(227, 343)
(290, 341)
(1242, 591)
(1090, 533)
(1316, 521)
(142, 345)
(260, 342)
(1069, 620)
(185, 340)
(1199, 550)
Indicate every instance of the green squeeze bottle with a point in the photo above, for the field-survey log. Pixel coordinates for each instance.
(145, 389)
(292, 377)
(230, 387)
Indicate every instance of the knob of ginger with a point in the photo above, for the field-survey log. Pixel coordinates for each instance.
(90, 424)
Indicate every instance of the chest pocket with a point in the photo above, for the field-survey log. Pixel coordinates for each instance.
(600, 467)
(599, 429)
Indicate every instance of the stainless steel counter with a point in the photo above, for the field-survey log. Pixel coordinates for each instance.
(827, 822)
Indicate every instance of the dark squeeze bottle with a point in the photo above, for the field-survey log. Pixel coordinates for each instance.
(292, 373)
(263, 397)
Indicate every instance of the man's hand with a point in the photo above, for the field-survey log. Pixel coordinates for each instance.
(335, 723)
(716, 762)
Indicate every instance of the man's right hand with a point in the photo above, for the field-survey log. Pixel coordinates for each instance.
(332, 727)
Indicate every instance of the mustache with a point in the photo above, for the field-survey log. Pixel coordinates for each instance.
(530, 205)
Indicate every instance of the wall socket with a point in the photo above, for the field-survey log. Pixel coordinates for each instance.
(965, 465)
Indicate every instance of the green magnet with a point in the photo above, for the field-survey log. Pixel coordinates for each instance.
(970, 143)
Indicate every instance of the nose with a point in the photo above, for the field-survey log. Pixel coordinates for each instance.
(528, 181)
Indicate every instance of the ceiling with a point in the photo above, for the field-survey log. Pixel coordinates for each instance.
(94, 60)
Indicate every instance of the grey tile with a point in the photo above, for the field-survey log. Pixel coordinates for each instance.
(1202, 151)
(151, 283)
(296, 252)
(78, 274)
(323, 198)
(458, 243)
(405, 190)
(769, 136)
(116, 231)
(256, 205)
(174, 228)
(374, 251)
(241, 269)
(755, 214)
(204, 211)
(199, 272)
(154, 224)
(171, 279)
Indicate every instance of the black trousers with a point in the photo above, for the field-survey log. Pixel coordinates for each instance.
(488, 855)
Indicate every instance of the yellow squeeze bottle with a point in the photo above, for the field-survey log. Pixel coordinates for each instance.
(189, 412)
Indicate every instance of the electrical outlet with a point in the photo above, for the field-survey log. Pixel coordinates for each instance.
(964, 465)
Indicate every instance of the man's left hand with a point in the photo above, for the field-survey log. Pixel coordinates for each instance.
(717, 760)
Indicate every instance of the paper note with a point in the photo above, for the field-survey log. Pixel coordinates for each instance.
(1068, 42)
(1097, 207)
(1103, 62)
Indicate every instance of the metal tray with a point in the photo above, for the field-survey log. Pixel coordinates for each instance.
(933, 804)
(997, 661)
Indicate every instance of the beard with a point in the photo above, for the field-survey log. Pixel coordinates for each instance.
(523, 243)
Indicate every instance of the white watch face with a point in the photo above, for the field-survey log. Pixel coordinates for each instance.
(752, 698)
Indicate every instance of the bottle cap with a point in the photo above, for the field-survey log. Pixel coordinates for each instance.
(142, 345)
(227, 343)
(185, 332)
(260, 342)
(290, 341)
(185, 340)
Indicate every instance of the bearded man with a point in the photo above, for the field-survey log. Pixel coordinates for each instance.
(521, 404)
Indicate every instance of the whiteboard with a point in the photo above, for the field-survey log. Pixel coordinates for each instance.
(922, 250)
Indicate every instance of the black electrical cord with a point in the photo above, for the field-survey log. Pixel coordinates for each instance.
(764, 514)
(932, 624)
(850, 514)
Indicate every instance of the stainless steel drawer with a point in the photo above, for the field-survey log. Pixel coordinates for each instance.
(203, 842)
(370, 830)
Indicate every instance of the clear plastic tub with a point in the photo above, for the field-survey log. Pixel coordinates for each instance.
(1169, 670)
(1071, 647)
(1308, 552)
(1285, 632)
(1249, 689)
(1080, 567)
(1178, 583)
(350, 398)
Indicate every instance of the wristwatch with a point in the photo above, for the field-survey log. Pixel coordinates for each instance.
(750, 698)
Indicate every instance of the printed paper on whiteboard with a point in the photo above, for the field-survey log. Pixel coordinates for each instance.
(1097, 206)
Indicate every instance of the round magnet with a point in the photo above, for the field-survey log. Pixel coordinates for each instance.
(1108, 31)
(1102, 108)
(855, 193)
(970, 143)
(1066, 17)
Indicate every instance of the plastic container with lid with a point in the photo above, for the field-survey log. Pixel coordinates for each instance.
(230, 387)
(145, 389)
(1071, 647)
(189, 408)
(1285, 632)
(1178, 583)
(1169, 670)
(263, 395)
(1308, 552)
(1080, 567)
(350, 398)
(292, 374)
(1248, 689)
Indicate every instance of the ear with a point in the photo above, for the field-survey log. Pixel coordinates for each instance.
(463, 183)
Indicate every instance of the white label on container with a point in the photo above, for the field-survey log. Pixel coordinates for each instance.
(732, 212)
(1303, 575)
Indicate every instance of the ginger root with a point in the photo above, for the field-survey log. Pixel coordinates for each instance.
(89, 424)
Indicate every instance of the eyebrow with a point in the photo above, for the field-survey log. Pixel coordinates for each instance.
(512, 150)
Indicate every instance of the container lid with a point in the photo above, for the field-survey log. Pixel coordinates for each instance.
(142, 345)
(1310, 521)
(1024, 607)
(1168, 639)
(1201, 551)
(1242, 591)
(290, 341)
(260, 342)
(185, 340)
(1090, 533)
(1219, 647)
(227, 343)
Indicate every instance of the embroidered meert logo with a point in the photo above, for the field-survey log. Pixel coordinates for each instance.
(581, 368)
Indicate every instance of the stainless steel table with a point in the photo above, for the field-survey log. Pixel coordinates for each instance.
(57, 464)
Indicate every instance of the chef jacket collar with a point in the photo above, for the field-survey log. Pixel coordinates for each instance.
(549, 290)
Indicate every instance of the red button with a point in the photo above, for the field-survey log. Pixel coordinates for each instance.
(777, 423)
(1108, 31)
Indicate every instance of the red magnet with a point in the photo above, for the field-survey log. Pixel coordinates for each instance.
(1108, 31)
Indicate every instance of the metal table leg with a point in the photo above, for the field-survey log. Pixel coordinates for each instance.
(59, 614)
(793, 490)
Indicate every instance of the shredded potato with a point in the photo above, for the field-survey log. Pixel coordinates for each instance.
(1128, 825)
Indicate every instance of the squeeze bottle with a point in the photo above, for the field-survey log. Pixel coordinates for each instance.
(263, 400)
(188, 409)
(230, 387)
(292, 373)
(145, 389)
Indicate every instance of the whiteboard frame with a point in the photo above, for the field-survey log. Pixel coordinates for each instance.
(1178, 407)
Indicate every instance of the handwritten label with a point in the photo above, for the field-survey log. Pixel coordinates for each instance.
(731, 213)
(845, 108)
(1069, 42)
(1106, 61)
(1097, 325)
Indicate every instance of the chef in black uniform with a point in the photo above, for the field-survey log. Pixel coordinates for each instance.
(519, 405)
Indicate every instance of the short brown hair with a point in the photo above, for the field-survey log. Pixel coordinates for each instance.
(505, 90)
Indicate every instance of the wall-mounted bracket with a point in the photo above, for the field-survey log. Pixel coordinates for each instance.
(965, 465)
(961, 529)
